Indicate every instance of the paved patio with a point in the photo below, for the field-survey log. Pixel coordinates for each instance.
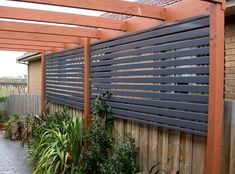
(12, 157)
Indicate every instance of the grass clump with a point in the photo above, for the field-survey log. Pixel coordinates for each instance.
(56, 144)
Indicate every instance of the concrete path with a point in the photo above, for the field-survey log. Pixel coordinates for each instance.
(13, 158)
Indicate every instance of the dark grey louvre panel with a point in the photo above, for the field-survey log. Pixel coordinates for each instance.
(158, 76)
(64, 77)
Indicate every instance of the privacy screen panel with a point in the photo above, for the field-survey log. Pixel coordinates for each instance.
(64, 77)
(158, 76)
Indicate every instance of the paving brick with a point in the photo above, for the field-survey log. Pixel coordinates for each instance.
(13, 158)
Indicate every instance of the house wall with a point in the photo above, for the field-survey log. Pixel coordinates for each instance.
(35, 76)
(230, 58)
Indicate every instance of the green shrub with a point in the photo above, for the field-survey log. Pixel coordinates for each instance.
(3, 116)
(13, 120)
(101, 156)
(56, 144)
(122, 160)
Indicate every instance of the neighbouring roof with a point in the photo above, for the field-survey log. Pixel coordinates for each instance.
(149, 2)
(27, 57)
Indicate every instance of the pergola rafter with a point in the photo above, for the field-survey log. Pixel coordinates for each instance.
(25, 48)
(114, 6)
(61, 18)
(24, 36)
(32, 43)
(49, 29)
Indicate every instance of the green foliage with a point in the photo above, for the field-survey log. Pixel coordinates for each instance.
(56, 144)
(122, 160)
(100, 155)
(29, 122)
(14, 119)
(3, 116)
(4, 93)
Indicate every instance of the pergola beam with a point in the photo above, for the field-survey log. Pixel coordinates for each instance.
(18, 49)
(61, 18)
(114, 6)
(25, 48)
(48, 29)
(39, 37)
(31, 43)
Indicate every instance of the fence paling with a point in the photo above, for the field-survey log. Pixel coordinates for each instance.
(23, 104)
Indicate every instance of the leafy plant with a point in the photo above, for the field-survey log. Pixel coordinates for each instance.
(27, 134)
(56, 144)
(12, 126)
(3, 116)
(4, 93)
(100, 155)
(122, 160)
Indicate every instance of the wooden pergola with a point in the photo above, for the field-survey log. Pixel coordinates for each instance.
(23, 34)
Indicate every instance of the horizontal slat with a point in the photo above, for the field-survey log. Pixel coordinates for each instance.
(155, 33)
(67, 88)
(190, 131)
(65, 75)
(65, 102)
(155, 95)
(160, 111)
(66, 66)
(162, 103)
(62, 96)
(162, 45)
(63, 60)
(62, 79)
(180, 88)
(48, 83)
(72, 93)
(179, 62)
(162, 120)
(159, 56)
(191, 79)
(167, 71)
(77, 70)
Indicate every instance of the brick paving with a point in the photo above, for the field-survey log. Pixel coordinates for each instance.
(13, 158)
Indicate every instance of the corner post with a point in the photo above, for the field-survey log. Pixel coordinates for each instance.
(43, 97)
(87, 115)
(215, 115)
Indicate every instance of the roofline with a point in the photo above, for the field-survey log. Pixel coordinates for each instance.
(230, 8)
(28, 58)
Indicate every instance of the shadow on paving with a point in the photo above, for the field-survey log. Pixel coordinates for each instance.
(13, 158)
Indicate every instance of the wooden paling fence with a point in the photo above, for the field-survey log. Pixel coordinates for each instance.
(180, 151)
(22, 104)
(14, 87)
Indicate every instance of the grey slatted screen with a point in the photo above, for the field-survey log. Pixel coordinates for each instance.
(64, 77)
(158, 76)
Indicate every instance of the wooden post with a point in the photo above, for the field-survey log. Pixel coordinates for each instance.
(215, 116)
(87, 116)
(43, 98)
